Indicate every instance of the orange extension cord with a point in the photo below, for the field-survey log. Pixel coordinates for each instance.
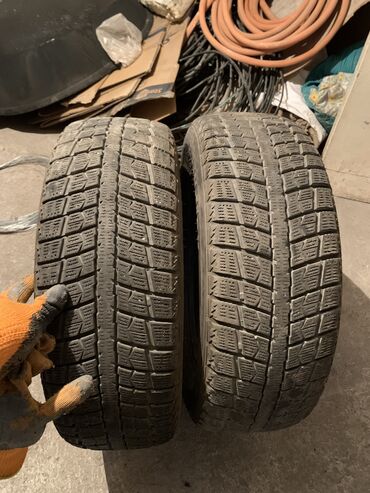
(268, 34)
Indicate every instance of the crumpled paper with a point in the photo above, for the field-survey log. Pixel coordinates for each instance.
(120, 39)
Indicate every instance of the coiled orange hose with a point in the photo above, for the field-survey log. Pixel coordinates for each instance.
(268, 34)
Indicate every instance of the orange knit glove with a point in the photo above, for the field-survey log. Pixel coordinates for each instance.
(24, 346)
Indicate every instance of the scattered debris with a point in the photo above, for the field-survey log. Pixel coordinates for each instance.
(174, 10)
(151, 77)
(327, 83)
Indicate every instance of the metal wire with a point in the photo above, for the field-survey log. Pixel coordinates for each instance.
(27, 221)
(208, 81)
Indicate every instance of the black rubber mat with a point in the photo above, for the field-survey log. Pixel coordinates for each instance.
(49, 49)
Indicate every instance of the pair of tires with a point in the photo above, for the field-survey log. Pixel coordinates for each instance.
(229, 296)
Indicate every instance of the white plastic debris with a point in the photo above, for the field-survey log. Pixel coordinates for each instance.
(120, 39)
(174, 10)
(291, 99)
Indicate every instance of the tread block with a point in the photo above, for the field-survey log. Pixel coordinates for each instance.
(131, 251)
(132, 357)
(83, 181)
(162, 259)
(132, 276)
(315, 302)
(224, 338)
(162, 334)
(224, 313)
(52, 229)
(51, 250)
(239, 236)
(251, 371)
(76, 244)
(316, 275)
(82, 200)
(77, 221)
(82, 291)
(163, 380)
(304, 178)
(132, 330)
(310, 224)
(162, 282)
(143, 305)
(75, 268)
(219, 382)
(309, 200)
(141, 233)
(83, 162)
(78, 321)
(75, 351)
(52, 209)
(314, 248)
(134, 379)
(248, 390)
(133, 210)
(58, 168)
(162, 360)
(222, 363)
(257, 269)
(48, 274)
(224, 262)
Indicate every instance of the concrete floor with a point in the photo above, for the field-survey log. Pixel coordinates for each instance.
(328, 452)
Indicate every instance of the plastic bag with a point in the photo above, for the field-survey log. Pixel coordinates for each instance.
(120, 39)
(329, 96)
(317, 90)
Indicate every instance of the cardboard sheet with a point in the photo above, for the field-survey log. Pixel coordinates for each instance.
(111, 95)
(86, 96)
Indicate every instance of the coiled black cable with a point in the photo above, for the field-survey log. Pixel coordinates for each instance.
(208, 81)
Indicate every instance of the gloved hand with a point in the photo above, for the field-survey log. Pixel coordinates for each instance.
(24, 346)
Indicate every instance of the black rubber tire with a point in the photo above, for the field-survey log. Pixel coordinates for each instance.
(269, 273)
(110, 230)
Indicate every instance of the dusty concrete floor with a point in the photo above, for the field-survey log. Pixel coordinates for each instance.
(328, 452)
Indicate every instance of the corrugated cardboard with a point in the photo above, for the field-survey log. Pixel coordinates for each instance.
(86, 96)
(144, 64)
(154, 110)
(109, 96)
(160, 83)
